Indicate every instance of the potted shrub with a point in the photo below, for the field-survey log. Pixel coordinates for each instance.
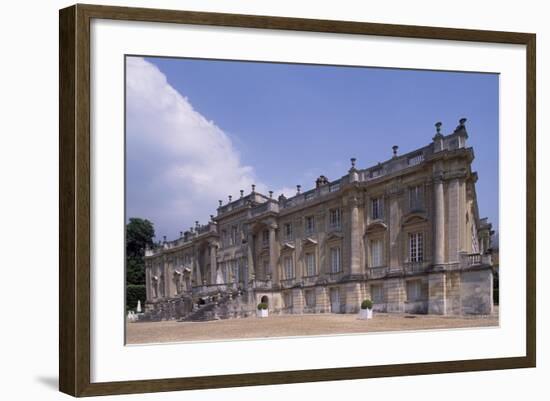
(366, 309)
(262, 309)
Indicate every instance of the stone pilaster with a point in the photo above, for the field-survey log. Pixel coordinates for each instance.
(437, 294)
(213, 262)
(148, 289)
(273, 252)
(250, 257)
(395, 294)
(197, 269)
(322, 304)
(297, 301)
(169, 277)
(394, 231)
(453, 229)
(355, 237)
(354, 297)
(439, 222)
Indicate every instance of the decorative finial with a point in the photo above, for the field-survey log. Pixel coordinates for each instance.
(211, 217)
(242, 193)
(438, 127)
(298, 188)
(395, 147)
(461, 124)
(220, 202)
(229, 197)
(253, 188)
(353, 160)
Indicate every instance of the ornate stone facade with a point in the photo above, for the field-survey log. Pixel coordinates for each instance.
(405, 233)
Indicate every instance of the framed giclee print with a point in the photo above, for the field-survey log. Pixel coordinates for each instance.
(250, 200)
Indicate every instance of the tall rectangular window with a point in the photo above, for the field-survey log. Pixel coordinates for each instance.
(310, 264)
(376, 252)
(288, 299)
(335, 260)
(335, 218)
(377, 293)
(234, 235)
(289, 267)
(288, 231)
(267, 269)
(236, 271)
(416, 247)
(416, 198)
(310, 298)
(310, 224)
(376, 208)
(414, 288)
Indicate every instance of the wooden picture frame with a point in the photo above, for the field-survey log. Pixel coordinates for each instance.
(75, 207)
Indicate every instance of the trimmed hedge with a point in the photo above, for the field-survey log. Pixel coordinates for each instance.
(366, 304)
(134, 293)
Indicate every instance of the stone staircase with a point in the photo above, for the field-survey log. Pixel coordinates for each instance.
(227, 305)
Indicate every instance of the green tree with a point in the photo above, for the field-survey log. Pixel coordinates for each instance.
(139, 235)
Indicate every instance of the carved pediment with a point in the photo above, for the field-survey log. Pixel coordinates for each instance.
(413, 218)
(288, 246)
(335, 235)
(376, 225)
(309, 241)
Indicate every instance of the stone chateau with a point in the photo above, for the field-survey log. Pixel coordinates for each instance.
(405, 233)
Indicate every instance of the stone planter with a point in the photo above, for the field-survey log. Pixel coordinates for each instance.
(262, 313)
(365, 314)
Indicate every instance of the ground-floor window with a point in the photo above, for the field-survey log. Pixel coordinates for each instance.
(377, 293)
(414, 290)
(287, 299)
(310, 298)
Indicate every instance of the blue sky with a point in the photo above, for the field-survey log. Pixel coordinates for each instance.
(279, 125)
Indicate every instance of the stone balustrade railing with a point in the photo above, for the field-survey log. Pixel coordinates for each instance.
(377, 272)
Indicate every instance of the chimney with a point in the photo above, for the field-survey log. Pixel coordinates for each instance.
(298, 189)
(242, 193)
(253, 188)
(270, 194)
(220, 202)
(164, 238)
(181, 234)
(230, 197)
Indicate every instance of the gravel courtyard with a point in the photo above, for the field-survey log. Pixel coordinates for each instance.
(293, 325)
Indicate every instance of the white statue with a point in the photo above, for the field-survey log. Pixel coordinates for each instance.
(138, 308)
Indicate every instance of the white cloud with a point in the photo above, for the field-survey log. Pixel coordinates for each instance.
(178, 163)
